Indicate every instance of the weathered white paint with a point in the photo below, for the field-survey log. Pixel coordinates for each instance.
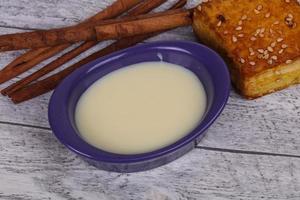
(33, 165)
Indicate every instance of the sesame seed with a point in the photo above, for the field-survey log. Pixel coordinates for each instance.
(256, 11)
(266, 56)
(238, 28)
(260, 50)
(267, 15)
(270, 61)
(240, 23)
(253, 38)
(276, 22)
(244, 17)
(242, 60)
(274, 57)
(290, 16)
(273, 44)
(270, 49)
(271, 31)
(219, 23)
(225, 32)
(252, 63)
(288, 61)
(241, 35)
(234, 39)
(259, 7)
(257, 32)
(279, 39)
(284, 46)
(287, 1)
(199, 8)
(260, 56)
(280, 51)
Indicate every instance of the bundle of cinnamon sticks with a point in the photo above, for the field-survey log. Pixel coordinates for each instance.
(134, 26)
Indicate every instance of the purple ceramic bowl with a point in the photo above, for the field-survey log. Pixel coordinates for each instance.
(204, 62)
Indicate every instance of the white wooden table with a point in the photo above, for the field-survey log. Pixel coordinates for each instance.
(251, 152)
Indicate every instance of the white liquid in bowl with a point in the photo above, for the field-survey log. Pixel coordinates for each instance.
(140, 108)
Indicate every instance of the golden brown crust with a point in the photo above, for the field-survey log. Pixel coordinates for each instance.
(256, 35)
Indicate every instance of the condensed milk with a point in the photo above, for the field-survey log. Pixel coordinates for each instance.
(140, 108)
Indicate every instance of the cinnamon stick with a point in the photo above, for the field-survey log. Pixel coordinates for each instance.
(11, 72)
(87, 32)
(142, 8)
(114, 10)
(145, 25)
(43, 86)
(26, 57)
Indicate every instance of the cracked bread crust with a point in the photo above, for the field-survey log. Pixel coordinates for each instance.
(259, 39)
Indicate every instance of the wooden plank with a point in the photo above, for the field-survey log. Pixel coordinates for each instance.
(33, 165)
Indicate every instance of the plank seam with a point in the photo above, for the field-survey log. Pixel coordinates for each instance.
(24, 125)
(237, 151)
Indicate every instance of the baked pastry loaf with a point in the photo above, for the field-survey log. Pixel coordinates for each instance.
(260, 39)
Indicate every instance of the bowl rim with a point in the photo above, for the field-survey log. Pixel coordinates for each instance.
(57, 118)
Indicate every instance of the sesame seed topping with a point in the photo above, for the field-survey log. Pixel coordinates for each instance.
(253, 38)
(270, 49)
(244, 17)
(252, 63)
(288, 61)
(260, 56)
(270, 61)
(219, 23)
(260, 50)
(238, 28)
(242, 60)
(259, 7)
(199, 8)
(225, 32)
(274, 57)
(271, 31)
(280, 51)
(257, 32)
(273, 44)
(241, 35)
(276, 22)
(267, 15)
(290, 16)
(256, 11)
(240, 23)
(266, 56)
(284, 46)
(279, 39)
(234, 39)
